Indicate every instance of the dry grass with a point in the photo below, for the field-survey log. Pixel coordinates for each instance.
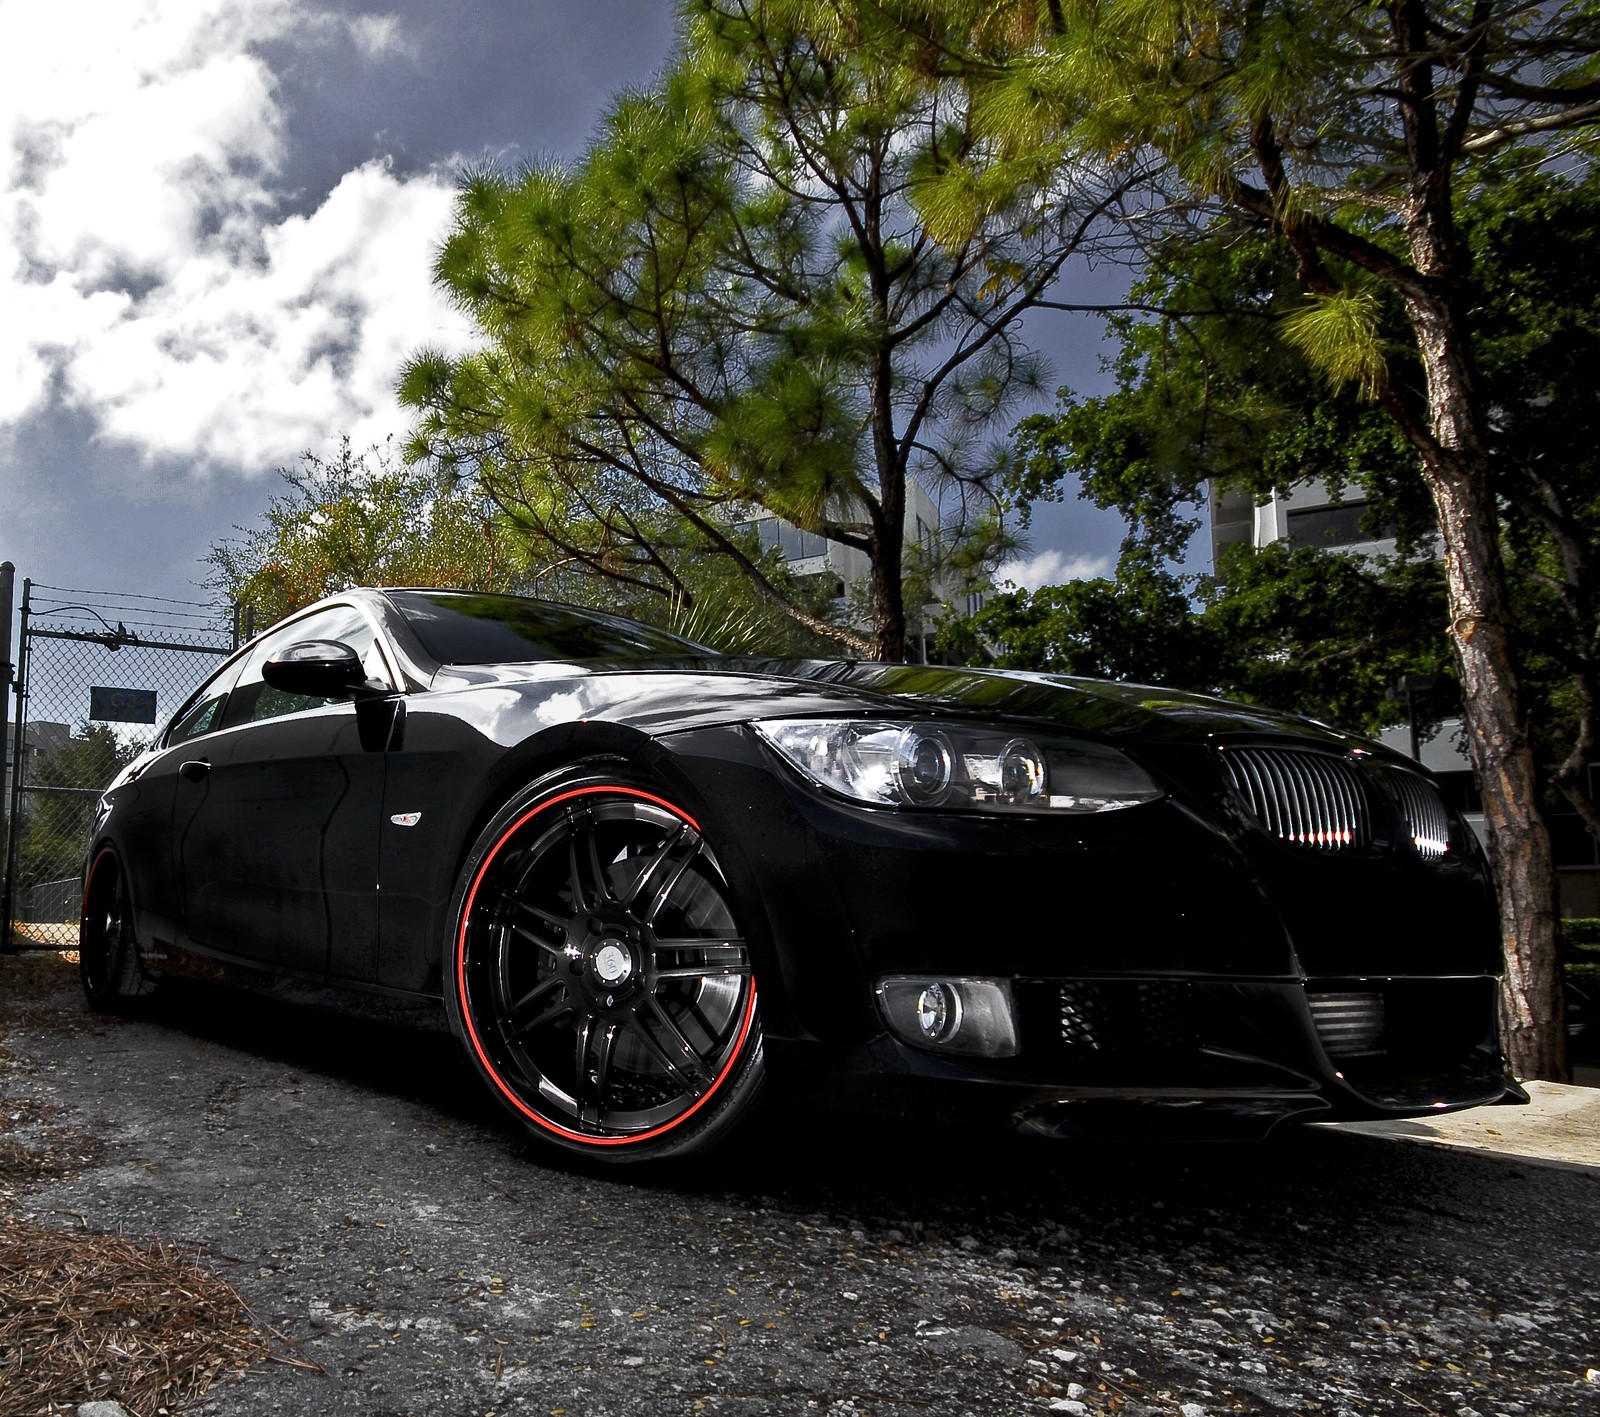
(84, 1314)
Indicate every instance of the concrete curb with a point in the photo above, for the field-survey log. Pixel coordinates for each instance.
(1560, 1126)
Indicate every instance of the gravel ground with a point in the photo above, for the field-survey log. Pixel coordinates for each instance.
(353, 1184)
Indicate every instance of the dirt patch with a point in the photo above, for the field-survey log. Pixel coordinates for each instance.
(35, 1148)
(85, 1314)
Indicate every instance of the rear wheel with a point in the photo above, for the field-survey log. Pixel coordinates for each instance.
(108, 961)
(598, 976)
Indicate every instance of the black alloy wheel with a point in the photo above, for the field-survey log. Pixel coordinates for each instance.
(108, 963)
(598, 977)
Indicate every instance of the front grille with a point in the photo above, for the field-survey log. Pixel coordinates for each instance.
(1302, 796)
(1424, 813)
(1349, 1025)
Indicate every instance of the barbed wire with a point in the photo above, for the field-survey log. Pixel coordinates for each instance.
(128, 616)
(52, 620)
(125, 595)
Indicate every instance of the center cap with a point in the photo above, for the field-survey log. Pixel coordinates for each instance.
(612, 964)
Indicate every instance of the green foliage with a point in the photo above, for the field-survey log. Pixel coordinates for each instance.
(1301, 630)
(358, 519)
(1206, 391)
(1346, 137)
(1337, 332)
(1216, 391)
(55, 829)
(1137, 627)
(1580, 948)
(732, 303)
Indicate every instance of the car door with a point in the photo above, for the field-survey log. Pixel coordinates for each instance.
(277, 815)
(143, 811)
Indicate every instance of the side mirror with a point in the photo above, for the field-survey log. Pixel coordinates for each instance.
(318, 669)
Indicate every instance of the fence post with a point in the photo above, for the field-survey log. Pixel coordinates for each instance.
(19, 679)
(8, 576)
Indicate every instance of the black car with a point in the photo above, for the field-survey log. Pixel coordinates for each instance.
(642, 878)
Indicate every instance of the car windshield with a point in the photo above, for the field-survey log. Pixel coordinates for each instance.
(461, 627)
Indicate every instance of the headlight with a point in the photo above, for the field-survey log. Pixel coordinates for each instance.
(957, 766)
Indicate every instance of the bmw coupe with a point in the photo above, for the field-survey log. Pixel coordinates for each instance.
(643, 880)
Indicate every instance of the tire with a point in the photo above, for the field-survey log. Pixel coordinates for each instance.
(108, 959)
(597, 976)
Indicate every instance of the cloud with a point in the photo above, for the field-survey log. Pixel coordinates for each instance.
(381, 36)
(152, 272)
(1051, 568)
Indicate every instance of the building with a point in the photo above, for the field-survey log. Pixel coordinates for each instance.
(1307, 515)
(39, 740)
(847, 571)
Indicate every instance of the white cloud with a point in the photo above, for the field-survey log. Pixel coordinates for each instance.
(380, 36)
(1051, 568)
(149, 275)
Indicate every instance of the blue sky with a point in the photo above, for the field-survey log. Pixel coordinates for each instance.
(217, 219)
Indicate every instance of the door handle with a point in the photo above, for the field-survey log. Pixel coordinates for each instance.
(194, 770)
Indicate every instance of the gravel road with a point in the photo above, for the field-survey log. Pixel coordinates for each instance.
(350, 1180)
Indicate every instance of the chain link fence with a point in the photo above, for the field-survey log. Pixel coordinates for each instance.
(98, 677)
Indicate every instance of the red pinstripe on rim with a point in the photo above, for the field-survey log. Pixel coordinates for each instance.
(489, 1068)
(88, 885)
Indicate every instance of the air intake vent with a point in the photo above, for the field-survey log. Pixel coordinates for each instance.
(1125, 1016)
(1302, 796)
(1349, 1025)
(1424, 813)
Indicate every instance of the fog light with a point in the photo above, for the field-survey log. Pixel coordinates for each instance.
(972, 1016)
(938, 1012)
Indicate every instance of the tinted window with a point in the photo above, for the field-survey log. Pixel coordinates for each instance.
(202, 718)
(1333, 526)
(460, 628)
(205, 713)
(253, 699)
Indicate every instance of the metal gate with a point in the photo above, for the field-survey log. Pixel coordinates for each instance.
(98, 674)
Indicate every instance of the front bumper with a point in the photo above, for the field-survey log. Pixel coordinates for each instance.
(1156, 959)
(1183, 1058)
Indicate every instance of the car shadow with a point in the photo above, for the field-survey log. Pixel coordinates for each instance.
(1331, 1199)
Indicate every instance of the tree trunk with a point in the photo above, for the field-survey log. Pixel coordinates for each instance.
(1455, 468)
(888, 517)
(888, 588)
(1453, 450)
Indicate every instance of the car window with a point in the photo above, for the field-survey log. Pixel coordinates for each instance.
(253, 700)
(458, 627)
(204, 712)
(202, 718)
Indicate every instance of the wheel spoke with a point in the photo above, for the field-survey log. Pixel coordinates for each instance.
(523, 932)
(655, 883)
(586, 875)
(685, 1069)
(710, 969)
(580, 1065)
(686, 1061)
(722, 957)
(517, 902)
(590, 1092)
(532, 1011)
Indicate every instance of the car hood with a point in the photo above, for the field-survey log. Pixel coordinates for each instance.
(1094, 706)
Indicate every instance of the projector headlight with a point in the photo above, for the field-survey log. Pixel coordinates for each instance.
(961, 767)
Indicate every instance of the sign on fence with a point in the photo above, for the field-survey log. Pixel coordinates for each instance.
(122, 705)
